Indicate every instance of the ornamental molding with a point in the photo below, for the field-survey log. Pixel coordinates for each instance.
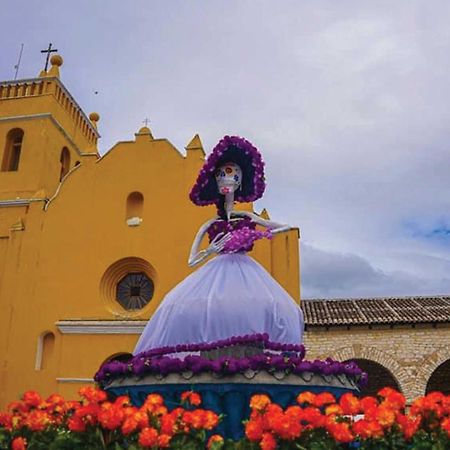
(75, 380)
(101, 326)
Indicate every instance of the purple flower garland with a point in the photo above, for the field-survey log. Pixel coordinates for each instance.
(207, 172)
(157, 362)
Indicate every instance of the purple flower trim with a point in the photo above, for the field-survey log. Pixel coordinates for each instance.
(258, 339)
(206, 175)
(164, 365)
(157, 361)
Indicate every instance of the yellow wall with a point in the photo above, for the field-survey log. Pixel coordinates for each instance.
(55, 251)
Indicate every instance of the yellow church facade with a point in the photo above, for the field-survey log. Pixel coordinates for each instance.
(90, 245)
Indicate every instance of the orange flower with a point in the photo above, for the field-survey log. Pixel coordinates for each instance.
(92, 394)
(334, 409)
(210, 420)
(6, 421)
(324, 398)
(32, 399)
(76, 424)
(154, 400)
(142, 419)
(37, 420)
(340, 431)
(445, 425)
(148, 437)
(392, 398)
(215, 442)
(368, 403)
(409, 425)
(367, 429)
(110, 416)
(191, 397)
(268, 442)
(385, 416)
(168, 425)
(19, 443)
(254, 429)
(129, 425)
(306, 397)
(350, 404)
(259, 402)
(313, 416)
(164, 440)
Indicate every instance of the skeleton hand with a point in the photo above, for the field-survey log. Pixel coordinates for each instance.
(218, 243)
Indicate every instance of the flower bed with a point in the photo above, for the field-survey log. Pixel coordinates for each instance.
(316, 422)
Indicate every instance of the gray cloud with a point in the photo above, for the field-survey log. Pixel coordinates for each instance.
(347, 100)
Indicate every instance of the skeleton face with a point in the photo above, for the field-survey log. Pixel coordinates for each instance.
(229, 178)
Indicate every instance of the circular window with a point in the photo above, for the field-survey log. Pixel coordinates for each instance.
(134, 291)
(128, 286)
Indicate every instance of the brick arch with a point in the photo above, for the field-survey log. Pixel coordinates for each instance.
(428, 366)
(377, 355)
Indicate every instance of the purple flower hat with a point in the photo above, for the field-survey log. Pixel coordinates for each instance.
(241, 152)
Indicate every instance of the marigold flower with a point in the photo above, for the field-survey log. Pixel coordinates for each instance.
(259, 402)
(148, 437)
(32, 399)
(92, 394)
(129, 425)
(192, 398)
(350, 404)
(254, 429)
(306, 397)
(334, 409)
(111, 417)
(142, 419)
(409, 425)
(368, 429)
(6, 421)
(313, 417)
(268, 442)
(215, 442)
(168, 425)
(19, 443)
(340, 431)
(367, 403)
(385, 416)
(322, 399)
(76, 424)
(445, 425)
(164, 440)
(37, 420)
(154, 400)
(392, 398)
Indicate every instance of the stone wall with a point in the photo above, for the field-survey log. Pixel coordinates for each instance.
(410, 352)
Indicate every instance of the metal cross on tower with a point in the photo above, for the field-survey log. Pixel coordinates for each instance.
(146, 121)
(48, 51)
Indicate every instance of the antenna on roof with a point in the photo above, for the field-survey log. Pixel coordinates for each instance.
(18, 62)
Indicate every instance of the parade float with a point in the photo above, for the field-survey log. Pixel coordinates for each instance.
(229, 330)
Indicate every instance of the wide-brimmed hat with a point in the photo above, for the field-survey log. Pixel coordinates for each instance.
(241, 152)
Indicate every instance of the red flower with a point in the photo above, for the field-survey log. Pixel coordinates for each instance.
(6, 421)
(409, 425)
(110, 416)
(367, 429)
(92, 394)
(191, 397)
(392, 398)
(215, 442)
(324, 398)
(350, 404)
(76, 424)
(129, 425)
(32, 399)
(259, 402)
(19, 443)
(148, 437)
(254, 429)
(306, 397)
(340, 431)
(268, 442)
(164, 440)
(445, 425)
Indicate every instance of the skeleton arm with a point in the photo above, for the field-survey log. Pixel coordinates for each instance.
(197, 256)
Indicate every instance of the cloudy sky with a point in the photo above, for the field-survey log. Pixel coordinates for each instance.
(349, 102)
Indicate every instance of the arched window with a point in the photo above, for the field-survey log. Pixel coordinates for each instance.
(120, 356)
(44, 352)
(13, 147)
(440, 379)
(378, 377)
(135, 208)
(65, 162)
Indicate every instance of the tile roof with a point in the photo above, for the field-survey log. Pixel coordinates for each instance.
(369, 311)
